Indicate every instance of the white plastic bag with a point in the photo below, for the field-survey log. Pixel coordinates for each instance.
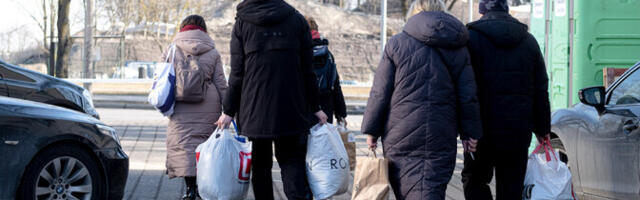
(547, 177)
(162, 95)
(224, 166)
(327, 162)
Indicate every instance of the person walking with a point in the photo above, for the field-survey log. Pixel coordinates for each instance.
(331, 98)
(512, 89)
(273, 92)
(423, 97)
(193, 122)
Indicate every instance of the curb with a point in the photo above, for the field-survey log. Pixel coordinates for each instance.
(351, 109)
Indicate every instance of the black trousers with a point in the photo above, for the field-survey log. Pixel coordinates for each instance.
(510, 166)
(290, 153)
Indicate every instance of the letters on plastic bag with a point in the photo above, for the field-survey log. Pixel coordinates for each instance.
(224, 166)
(547, 177)
(327, 162)
(162, 95)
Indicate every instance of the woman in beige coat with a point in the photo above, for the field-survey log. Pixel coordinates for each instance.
(192, 123)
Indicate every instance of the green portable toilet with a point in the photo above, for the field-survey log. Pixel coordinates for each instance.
(584, 37)
(539, 28)
(558, 60)
(537, 25)
(605, 33)
(550, 27)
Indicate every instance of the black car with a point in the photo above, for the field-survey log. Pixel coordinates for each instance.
(50, 152)
(600, 140)
(21, 83)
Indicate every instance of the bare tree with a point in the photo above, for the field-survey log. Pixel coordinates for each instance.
(44, 25)
(154, 19)
(405, 5)
(450, 4)
(64, 39)
(6, 44)
(15, 42)
(41, 19)
(52, 53)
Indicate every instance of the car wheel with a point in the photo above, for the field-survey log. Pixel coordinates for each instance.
(557, 145)
(62, 172)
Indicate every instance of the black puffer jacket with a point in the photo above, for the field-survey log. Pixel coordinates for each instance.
(272, 87)
(423, 96)
(512, 80)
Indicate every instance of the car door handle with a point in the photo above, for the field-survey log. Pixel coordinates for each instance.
(629, 126)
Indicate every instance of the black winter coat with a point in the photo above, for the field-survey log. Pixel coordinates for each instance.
(512, 80)
(333, 102)
(423, 96)
(272, 88)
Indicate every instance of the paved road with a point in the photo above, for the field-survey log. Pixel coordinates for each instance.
(143, 136)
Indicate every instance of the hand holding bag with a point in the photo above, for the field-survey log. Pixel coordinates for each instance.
(327, 162)
(547, 177)
(224, 166)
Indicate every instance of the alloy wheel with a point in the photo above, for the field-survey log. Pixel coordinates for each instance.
(64, 178)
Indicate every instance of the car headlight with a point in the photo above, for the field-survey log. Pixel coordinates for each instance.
(110, 132)
(87, 96)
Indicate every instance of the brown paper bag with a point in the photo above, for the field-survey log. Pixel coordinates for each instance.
(371, 179)
(349, 141)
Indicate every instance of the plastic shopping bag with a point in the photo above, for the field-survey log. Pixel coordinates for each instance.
(547, 177)
(327, 162)
(371, 179)
(162, 95)
(224, 166)
(349, 140)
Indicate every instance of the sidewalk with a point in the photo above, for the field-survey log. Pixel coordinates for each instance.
(142, 134)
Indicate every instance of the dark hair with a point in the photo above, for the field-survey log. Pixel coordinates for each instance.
(194, 20)
(312, 23)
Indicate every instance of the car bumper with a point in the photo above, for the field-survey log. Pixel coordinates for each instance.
(116, 169)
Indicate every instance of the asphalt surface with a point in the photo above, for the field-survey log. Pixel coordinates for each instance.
(143, 137)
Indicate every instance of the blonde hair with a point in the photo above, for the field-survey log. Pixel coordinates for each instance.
(425, 5)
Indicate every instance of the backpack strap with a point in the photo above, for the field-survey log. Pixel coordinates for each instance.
(334, 69)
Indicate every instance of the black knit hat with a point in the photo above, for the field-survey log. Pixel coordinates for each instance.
(493, 5)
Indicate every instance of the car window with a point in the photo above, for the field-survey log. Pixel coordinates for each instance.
(628, 92)
(12, 75)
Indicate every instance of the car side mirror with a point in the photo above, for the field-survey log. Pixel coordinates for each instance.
(593, 96)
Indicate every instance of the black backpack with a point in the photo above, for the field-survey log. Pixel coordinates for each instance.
(324, 67)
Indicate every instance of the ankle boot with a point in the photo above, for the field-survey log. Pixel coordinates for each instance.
(192, 189)
(190, 193)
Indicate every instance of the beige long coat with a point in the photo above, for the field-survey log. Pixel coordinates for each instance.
(191, 124)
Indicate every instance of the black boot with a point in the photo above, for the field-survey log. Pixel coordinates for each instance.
(192, 189)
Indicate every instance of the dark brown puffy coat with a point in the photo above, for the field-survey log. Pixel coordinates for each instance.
(423, 97)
